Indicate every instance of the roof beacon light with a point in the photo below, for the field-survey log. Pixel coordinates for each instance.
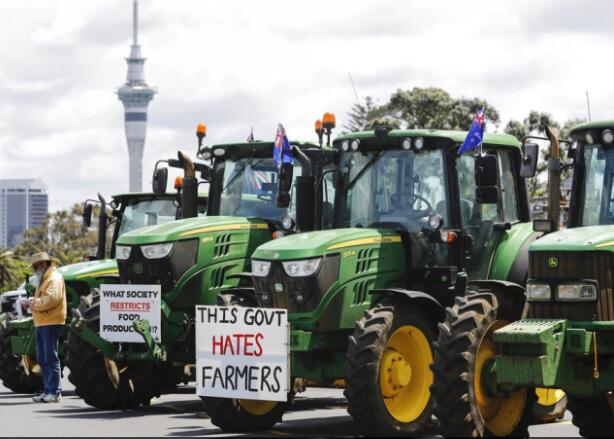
(329, 122)
(319, 131)
(178, 182)
(201, 133)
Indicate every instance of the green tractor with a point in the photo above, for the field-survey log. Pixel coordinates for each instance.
(19, 369)
(414, 224)
(565, 341)
(251, 201)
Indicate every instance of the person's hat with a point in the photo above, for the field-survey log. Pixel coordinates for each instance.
(39, 257)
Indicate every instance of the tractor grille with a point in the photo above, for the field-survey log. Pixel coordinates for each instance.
(296, 294)
(165, 271)
(574, 266)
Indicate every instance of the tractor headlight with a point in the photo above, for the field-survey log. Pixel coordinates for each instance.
(122, 252)
(157, 251)
(261, 268)
(345, 145)
(536, 292)
(304, 268)
(355, 144)
(576, 292)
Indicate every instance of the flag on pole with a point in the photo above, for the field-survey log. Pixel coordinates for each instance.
(282, 152)
(250, 138)
(475, 134)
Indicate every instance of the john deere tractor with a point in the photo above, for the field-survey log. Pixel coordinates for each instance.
(19, 369)
(414, 223)
(489, 363)
(251, 201)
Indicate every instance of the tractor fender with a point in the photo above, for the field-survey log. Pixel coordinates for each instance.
(519, 270)
(510, 295)
(419, 298)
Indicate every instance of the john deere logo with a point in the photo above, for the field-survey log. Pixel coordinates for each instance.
(553, 262)
(279, 288)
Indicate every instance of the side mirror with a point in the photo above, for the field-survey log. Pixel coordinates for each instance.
(543, 225)
(160, 179)
(486, 170)
(284, 185)
(487, 194)
(87, 215)
(530, 152)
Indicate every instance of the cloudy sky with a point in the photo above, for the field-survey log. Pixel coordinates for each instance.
(236, 64)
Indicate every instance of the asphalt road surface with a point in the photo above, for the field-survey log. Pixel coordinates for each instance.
(317, 412)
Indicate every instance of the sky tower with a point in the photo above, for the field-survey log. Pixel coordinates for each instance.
(135, 94)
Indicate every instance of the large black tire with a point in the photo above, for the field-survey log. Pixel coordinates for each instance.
(466, 332)
(12, 372)
(593, 417)
(369, 346)
(240, 416)
(138, 381)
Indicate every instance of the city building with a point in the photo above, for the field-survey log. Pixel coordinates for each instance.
(23, 205)
(135, 94)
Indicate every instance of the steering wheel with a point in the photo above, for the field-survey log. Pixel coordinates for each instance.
(420, 213)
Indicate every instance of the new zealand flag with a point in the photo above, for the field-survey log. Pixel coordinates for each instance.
(475, 134)
(282, 152)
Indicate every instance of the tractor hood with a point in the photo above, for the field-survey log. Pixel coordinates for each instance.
(189, 228)
(577, 239)
(84, 270)
(312, 244)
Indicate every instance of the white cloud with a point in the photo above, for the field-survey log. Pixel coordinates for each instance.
(237, 64)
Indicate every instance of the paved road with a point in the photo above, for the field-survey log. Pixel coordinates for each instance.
(316, 412)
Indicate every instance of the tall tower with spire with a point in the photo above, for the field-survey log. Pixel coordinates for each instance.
(135, 94)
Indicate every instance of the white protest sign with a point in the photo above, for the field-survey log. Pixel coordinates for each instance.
(242, 353)
(121, 305)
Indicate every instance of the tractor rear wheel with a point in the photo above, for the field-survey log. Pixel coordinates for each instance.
(12, 366)
(242, 415)
(387, 370)
(464, 350)
(100, 381)
(593, 417)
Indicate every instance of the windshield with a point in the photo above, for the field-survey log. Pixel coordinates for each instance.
(250, 189)
(598, 204)
(147, 213)
(394, 186)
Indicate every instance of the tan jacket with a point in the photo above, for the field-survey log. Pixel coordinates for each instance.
(49, 304)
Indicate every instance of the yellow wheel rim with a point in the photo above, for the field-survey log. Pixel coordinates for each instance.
(404, 374)
(549, 397)
(501, 415)
(257, 408)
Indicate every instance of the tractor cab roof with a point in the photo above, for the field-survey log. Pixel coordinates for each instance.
(431, 138)
(135, 197)
(258, 147)
(595, 127)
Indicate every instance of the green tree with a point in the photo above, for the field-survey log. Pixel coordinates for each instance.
(62, 235)
(433, 107)
(534, 124)
(358, 116)
(6, 268)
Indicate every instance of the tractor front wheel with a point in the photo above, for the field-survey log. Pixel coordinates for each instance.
(12, 366)
(244, 415)
(593, 417)
(465, 403)
(387, 370)
(550, 405)
(100, 381)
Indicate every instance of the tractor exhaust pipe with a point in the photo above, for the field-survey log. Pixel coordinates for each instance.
(554, 180)
(189, 188)
(102, 229)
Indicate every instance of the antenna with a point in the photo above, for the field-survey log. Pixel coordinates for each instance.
(354, 88)
(135, 23)
(588, 105)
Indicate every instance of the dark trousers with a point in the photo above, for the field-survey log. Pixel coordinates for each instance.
(47, 355)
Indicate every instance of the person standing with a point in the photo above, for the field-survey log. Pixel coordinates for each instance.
(49, 314)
